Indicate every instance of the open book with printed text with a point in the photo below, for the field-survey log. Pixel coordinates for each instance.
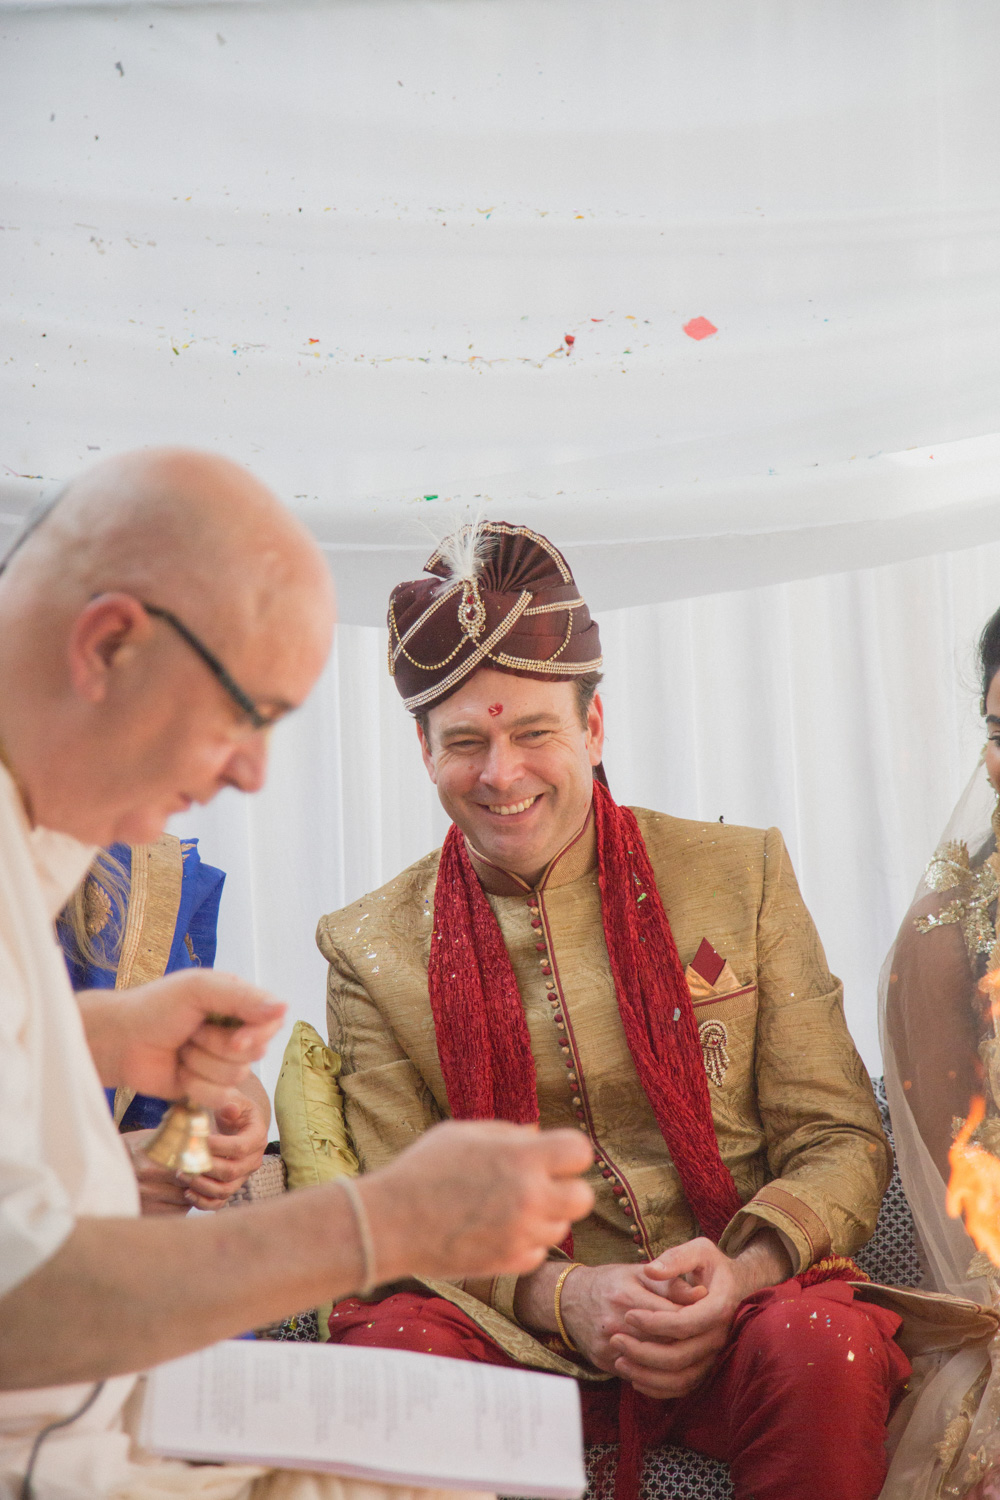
(381, 1414)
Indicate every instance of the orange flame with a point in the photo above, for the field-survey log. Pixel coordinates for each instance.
(974, 1188)
(990, 985)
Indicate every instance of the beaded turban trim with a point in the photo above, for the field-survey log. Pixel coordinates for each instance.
(499, 596)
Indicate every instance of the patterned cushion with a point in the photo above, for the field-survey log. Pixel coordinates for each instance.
(677, 1473)
(891, 1254)
(303, 1328)
(668, 1474)
(269, 1181)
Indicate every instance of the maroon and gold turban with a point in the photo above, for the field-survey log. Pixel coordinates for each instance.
(499, 596)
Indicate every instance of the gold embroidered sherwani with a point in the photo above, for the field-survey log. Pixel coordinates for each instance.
(793, 1107)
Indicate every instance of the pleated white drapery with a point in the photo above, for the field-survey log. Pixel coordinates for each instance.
(417, 259)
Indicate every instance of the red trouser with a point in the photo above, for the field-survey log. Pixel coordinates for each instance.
(796, 1404)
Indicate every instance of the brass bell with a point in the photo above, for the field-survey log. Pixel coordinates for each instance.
(181, 1141)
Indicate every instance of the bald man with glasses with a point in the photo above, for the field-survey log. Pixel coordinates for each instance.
(154, 624)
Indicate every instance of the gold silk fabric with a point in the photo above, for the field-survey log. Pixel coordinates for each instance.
(792, 1104)
(154, 898)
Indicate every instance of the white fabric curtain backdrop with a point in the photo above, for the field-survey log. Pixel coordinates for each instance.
(412, 261)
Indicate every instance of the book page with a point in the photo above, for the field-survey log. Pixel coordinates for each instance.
(382, 1414)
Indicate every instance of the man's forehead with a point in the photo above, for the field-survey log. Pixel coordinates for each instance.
(507, 721)
(504, 702)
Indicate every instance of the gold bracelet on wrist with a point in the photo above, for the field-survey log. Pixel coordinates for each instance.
(557, 1305)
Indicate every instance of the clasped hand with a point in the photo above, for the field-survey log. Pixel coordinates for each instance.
(662, 1325)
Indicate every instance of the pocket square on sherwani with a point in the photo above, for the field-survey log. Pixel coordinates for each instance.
(709, 974)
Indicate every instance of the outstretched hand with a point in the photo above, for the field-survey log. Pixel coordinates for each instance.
(157, 1038)
(477, 1198)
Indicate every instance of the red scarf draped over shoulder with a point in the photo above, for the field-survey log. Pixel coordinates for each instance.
(482, 1034)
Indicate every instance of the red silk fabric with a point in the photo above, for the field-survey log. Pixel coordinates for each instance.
(482, 1035)
(796, 1403)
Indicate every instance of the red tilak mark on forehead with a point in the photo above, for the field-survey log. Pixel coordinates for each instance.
(494, 709)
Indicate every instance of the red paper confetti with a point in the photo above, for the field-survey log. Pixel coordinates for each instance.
(314, 341)
(494, 709)
(570, 340)
(700, 328)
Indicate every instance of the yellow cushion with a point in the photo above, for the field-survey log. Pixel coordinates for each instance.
(309, 1109)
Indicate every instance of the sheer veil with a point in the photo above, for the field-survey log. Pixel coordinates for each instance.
(939, 1048)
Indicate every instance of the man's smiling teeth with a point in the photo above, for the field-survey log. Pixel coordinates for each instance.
(515, 807)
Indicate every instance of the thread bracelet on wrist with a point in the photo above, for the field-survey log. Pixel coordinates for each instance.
(369, 1279)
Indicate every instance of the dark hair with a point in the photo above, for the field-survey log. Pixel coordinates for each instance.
(586, 686)
(989, 655)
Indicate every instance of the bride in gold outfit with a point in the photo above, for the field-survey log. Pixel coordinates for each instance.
(941, 1049)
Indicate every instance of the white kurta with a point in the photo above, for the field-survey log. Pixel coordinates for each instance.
(61, 1157)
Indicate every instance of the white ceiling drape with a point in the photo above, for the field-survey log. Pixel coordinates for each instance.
(413, 260)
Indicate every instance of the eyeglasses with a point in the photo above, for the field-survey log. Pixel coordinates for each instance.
(242, 700)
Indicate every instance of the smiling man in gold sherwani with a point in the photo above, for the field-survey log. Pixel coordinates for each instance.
(656, 983)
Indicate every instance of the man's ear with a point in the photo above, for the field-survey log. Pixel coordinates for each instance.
(595, 730)
(105, 635)
(425, 751)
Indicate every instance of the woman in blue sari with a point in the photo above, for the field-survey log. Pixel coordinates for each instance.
(143, 912)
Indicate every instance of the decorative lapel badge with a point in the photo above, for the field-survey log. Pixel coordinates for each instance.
(713, 1037)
